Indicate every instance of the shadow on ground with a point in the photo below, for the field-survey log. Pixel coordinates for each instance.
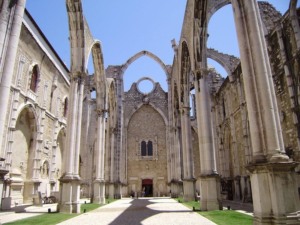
(140, 210)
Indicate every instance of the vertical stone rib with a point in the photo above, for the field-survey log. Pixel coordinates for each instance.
(78, 128)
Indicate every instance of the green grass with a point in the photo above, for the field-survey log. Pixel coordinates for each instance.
(220, 217)
(44, 219)
(192, 205)
(228, 217)
(55, 218)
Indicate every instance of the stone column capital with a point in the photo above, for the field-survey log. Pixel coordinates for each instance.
(185, 110)
(101, 112)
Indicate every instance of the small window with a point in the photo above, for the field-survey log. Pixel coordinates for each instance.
(146, 148)
(150, 148)
(66, 107)
(34, 78)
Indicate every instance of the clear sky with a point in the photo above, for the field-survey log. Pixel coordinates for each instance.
(128, 27)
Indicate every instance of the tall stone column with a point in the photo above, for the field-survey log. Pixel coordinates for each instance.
(4, 28)
(113, 166)
(188, 177)
(78, 126)
(8, 61)
(99, 182)
(209, 179)
(120, 140)
(273, 178)
(70, 180)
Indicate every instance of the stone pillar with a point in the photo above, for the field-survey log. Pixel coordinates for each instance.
(70, 180)
(71, 129)
(4, 28)
(272, 177)
(209, 179)
(69, 196)
(112, 167)
(119, 140)
(274, 192)
(188, 178)
(99, 182)
(8, 62)
(259, 89)
(78, 126)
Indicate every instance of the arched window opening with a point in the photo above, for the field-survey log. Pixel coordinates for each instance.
(150, 148)
(34, 78)
(192, 104)
(145, 67)
(144, 148)
(66, 107)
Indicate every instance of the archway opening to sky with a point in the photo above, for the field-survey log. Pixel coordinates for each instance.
(222, 36)
(90, 70)
(145, 67)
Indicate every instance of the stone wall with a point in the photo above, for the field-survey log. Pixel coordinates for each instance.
(35, 120)
(146, 123)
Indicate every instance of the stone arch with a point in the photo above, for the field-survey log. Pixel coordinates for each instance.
(127, 120)
(31, 108)
(185, 72)
(23, 154)
(269, 21)
(150, 55)
(99, 75)
(77, 39)
(229, 62)
(214, 6)
(112, 100)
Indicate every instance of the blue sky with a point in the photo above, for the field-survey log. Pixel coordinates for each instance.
(128, 27)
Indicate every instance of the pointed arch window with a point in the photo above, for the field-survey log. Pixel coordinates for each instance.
(34, 78)
(146, 148)
(66, 102)
(150, 148)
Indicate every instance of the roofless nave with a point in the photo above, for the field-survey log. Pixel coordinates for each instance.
(240, 143)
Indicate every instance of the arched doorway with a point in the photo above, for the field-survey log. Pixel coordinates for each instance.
(147, 188)
(23, 154)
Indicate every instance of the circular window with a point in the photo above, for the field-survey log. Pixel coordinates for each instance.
(145, 85)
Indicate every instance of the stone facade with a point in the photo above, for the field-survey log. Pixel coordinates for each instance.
(72, 134)
(35, 128)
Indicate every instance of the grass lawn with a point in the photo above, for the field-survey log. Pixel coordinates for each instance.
(55, 218)
(221, 217)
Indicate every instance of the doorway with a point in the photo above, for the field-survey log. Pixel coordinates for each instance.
(147, 188)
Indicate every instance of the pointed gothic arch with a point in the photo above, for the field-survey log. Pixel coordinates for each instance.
(99, 75)
(77, 39)
(148, 54)
(185, 74)
(229, 62)
(24, 153)
(214, 6)
(136, 109)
